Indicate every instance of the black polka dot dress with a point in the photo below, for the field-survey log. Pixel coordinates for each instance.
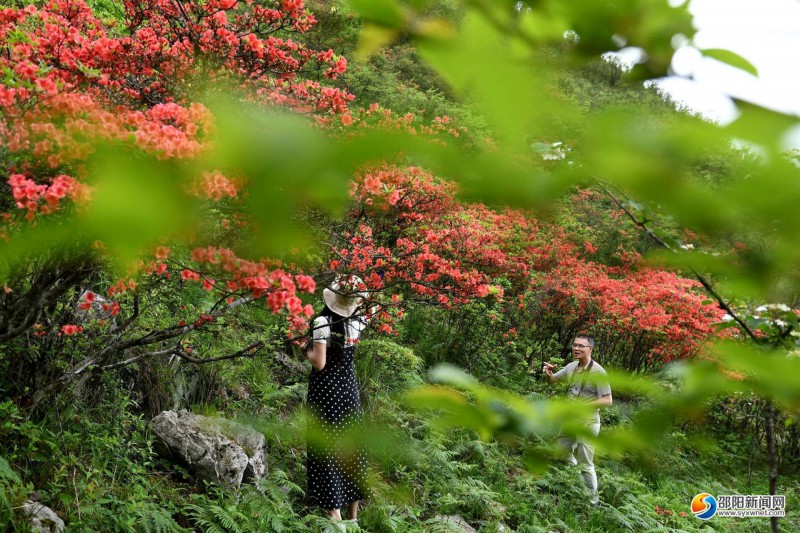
(337, 473)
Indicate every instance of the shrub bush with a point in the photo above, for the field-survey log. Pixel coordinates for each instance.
(384, 368)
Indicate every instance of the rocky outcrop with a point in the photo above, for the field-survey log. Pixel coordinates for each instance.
(457, 521)
(215, 449)
(41, 518)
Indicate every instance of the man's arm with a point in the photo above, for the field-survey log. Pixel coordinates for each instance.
(603, 401)
(603, 392)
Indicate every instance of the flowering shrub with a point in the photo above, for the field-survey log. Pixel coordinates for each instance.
(71, 82)
(415, 240)
(639, 317)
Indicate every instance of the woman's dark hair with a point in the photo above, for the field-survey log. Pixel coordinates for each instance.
(336, 322)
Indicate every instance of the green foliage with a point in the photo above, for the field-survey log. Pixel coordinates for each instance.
(153, 519)
(385, 368)
(267, 506)
(216, 518)
(94, 466)
(473, 337)
(399, 80)
(10, 491)
(384, 518)
(731, 58)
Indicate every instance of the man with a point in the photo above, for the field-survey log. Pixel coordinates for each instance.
(587, 381)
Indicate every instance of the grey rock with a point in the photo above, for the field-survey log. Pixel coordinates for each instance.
(457, 521)
(95, 312)
(215, 449)
(41, 518)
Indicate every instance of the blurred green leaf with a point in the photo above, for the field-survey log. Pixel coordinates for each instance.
(452, 376)
(730, 58)
(771, 373)
(538, 459)
(6, 471)
(288, 164)
(47, 236)
(453, 410)
(507, 89)
(372, 38)
(384, 12)
(137, 200)
(761, 126)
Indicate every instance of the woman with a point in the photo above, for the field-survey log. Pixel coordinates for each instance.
(336, 476)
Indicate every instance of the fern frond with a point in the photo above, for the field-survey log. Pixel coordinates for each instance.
(276, 522)
(153, 519)
(227, 517)
(7, 473)
(216, 519)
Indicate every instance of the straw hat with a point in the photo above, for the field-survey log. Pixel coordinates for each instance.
(341, 296)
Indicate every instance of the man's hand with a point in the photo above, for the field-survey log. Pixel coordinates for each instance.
(547, 368)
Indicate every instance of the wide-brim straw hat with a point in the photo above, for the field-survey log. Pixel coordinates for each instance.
(341, 296)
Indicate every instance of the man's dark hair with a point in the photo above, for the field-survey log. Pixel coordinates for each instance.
(589, 339)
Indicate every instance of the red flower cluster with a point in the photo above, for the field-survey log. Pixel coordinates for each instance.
(70, 329)
(121, 286)
(260, 279)
(664, 512)
(28, 195)
(216, 186)
(88, 300)
(420, 240)
(69, 82)
(658, 303)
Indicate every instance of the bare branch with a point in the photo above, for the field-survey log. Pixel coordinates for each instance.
(135, 358)
(248, 351)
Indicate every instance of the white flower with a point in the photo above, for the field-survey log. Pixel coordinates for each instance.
(774, 307)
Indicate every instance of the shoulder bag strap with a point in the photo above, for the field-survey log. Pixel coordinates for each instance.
(583, 377)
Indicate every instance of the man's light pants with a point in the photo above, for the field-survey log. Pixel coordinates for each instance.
(580, 452)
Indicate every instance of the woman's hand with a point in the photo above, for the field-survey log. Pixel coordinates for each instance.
(317, 355)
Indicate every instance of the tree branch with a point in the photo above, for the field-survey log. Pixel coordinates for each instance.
(642, 224)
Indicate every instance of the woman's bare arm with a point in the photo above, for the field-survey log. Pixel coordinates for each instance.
(317, 355)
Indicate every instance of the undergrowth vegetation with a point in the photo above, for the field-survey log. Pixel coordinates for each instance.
(90, 353)
(97, 465)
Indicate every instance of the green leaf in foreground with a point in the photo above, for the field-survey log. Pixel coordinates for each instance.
(730, 58)
(137, 200)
